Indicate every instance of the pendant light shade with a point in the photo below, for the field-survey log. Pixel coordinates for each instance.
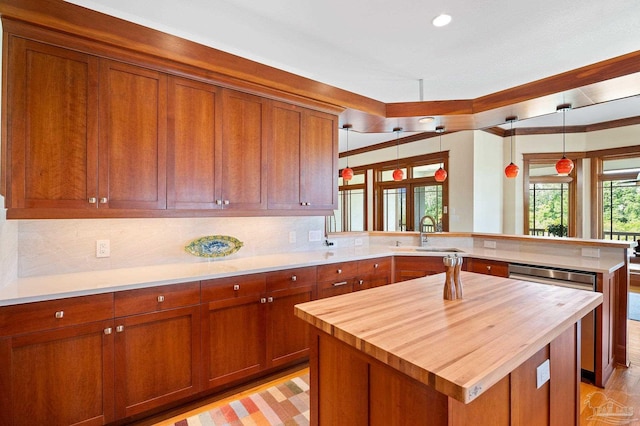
(398, 174)
(564, 166)
(511, 171)
(347, 173)
(441, 173)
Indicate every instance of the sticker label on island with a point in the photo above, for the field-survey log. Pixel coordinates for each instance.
(214, 246)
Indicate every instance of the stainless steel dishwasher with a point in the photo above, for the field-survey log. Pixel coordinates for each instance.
(580, 280)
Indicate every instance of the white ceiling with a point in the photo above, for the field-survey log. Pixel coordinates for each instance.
(382, 49)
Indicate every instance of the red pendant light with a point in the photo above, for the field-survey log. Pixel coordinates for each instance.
(511, 171)
(398, 174)
(564, 166)
(347, 173)
(441, 173)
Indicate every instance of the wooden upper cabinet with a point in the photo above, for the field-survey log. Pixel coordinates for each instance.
(194, 135)
(52, 126)
(132, 161)
(242, 163)
(303, 155)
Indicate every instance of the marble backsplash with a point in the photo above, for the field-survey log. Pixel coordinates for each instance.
(8, 247)
(63, 246)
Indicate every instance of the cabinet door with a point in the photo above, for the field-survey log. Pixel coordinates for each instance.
(303, 159)
(242, 165)
(58, 377)
(285, 157)
(133, 120)
(287, 335)
(318, 156)
(52, 109)
(157, 359)
(488, 267)
(194, 136)
(410, 267)
(233, 333)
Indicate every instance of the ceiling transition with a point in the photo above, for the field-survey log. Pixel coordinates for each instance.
(391, 52)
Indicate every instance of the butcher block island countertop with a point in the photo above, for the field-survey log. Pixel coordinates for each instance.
(459, 348)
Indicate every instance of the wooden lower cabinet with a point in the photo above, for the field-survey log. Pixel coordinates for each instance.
(157, 359)
(56, 367)
(410, 267)
(488, 267)
(350, 387)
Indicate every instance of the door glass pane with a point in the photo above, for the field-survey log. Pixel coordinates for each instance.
(427, 202)
(621, 210)
(351, 210)
(387, 175)
(394, 209)
(549, 209)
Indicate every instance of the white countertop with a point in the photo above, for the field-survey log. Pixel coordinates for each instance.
(47, 287)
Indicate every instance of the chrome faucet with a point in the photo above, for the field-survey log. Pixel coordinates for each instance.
(423, 234)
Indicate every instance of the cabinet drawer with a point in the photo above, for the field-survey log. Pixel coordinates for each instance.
(379, 265)
(334, 288)
(153, 299)
(51, 314)
(281, 280)
(489, 267)
(227, 288)
(337, 271)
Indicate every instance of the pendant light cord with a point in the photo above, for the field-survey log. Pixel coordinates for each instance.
(511, 141)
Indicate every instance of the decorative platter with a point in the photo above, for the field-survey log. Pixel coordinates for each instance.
(213, 246)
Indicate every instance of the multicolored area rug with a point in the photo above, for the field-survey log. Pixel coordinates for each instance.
(286, 403)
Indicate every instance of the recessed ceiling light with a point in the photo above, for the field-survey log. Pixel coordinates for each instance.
(426, 120)
(441, 20)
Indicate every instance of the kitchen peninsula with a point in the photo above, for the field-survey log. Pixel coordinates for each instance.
(401, 352)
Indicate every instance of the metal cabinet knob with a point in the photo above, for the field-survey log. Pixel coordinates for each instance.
(93, 200)
(263, 300)
(104, 200)
(489, 268)
(339, 271)
(294, 278)
(236, 287)
(218, 202)
(270, 299)
(225, 202)
(59, 314)
(376, 265)
(361, 282)
(161, 298)
(120, 329)
(108, 330)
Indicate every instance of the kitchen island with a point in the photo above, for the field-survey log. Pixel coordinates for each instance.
(401, 354)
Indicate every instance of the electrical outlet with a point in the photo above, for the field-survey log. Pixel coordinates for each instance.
(490, 244)
(357, 242)
(103, 248)
(543, 374)
(292, 237)
(315, 236)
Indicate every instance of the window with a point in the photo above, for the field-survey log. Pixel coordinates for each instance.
(549, 198)
(402, 204)
(352, 202)
(619, 197)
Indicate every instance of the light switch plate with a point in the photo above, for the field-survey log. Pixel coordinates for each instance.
(590, 252)
(543, 374)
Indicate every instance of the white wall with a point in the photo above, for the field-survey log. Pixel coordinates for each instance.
(488, 166)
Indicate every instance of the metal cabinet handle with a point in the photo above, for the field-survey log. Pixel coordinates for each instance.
(236, 287)
(59, 314)
(104, 200)
(160, 298)
(340, 283)
(294, 278)
(120, 329)
(93, 200)
(305, 203)
(108, 330)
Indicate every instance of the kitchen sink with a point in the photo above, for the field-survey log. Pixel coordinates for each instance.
(427, 249)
